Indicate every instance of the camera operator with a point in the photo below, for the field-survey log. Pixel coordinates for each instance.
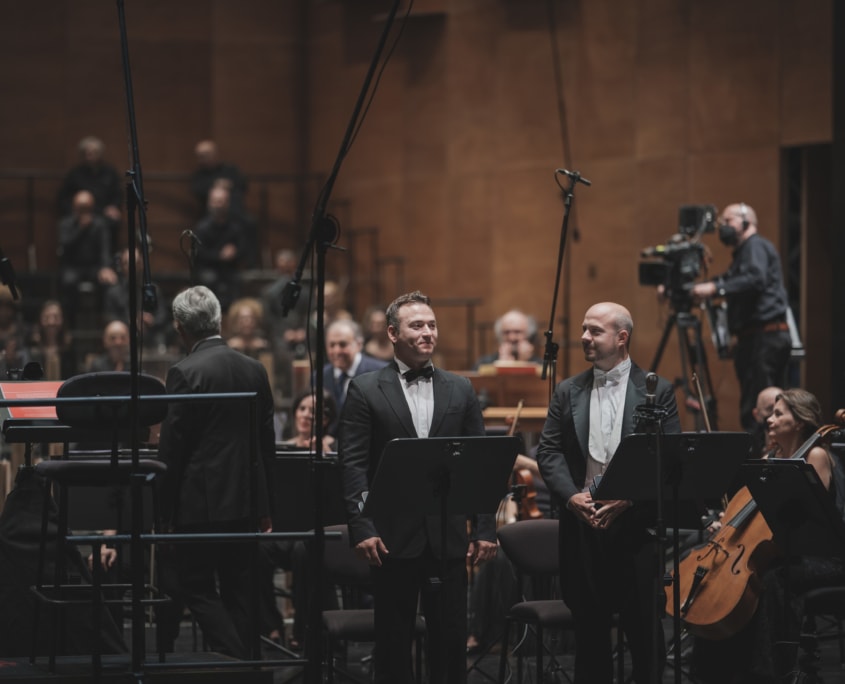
(757, 304)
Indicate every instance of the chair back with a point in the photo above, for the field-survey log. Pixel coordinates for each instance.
(532, 546)
(342, 565)
(98, 416)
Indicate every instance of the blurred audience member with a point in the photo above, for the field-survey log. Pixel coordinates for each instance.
(333, 310)
(210, 171)
(115, 356)
(51, 343)
(101, 180)
(11, 323)
(85, 255)
(344, 345)
(376, 342)
(155, 331)
(287, 332)
(244, 327)
(221, 244)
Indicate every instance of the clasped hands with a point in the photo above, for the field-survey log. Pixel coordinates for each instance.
(597, 514)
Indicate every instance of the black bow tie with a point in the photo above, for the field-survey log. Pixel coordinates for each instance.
(425, 372)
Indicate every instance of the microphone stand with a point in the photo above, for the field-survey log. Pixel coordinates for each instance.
(323, 234)
(135, 201)
(649, 419)
(551, 349)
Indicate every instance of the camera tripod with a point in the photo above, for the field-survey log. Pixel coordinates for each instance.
(693, 361)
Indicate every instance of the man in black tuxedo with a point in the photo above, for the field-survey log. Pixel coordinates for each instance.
(411, 398)
(606, 551)
(207, 487)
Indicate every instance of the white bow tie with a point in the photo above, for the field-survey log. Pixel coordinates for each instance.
(611, 377)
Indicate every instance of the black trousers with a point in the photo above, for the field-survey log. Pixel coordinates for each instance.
(760, 361)
(399, 584)
(191, 574)
(605, 572)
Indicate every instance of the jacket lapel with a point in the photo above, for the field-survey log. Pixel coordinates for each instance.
(389, 383)
(442, 398)
(579, 402)
(634, 396)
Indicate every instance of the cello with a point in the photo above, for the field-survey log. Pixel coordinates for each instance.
(720, 580)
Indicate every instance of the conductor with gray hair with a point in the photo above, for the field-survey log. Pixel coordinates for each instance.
(207, 488)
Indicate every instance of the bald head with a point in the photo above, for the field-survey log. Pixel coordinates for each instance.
(765, 403)
(206, 154)
(606, 334)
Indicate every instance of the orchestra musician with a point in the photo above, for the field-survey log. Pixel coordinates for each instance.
(412, 398)
(516, 334)
(765, 650)
(606, 551)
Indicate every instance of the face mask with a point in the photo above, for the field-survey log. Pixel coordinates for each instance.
(727, 235)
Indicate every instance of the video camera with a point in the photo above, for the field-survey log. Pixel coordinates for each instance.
(676, 264)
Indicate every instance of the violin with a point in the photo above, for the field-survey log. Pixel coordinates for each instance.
(522, 477)
(720, 581)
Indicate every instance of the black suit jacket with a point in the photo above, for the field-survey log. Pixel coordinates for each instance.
(595, 565)
(562, 455)
(206, 444)
(376, 412)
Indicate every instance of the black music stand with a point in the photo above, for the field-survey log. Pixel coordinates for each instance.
(695, 467)
(804, 522)
(801, 514)
(698, 467)
(441, 476)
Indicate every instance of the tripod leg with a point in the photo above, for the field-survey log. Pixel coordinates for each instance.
(664, 337)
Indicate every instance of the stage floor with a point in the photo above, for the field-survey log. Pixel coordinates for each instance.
(219, 669)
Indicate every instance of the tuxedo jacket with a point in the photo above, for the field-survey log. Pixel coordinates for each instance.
(206, 445)
(376, 412)
(564, 443)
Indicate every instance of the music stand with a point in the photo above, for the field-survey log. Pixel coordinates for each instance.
(441, 476)
(797, 508)
(804, 522)
(695, 467)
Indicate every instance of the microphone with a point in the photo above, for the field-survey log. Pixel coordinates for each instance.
(575, 176)
(650, 388)
(515, 351)
(7, 275)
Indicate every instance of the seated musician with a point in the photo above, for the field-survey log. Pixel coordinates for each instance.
(289, 554)
(765, 650)
(516, 334)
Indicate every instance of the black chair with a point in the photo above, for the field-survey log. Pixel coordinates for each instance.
(101, 423)
(532, 548)
(828, 604)
(350, 623)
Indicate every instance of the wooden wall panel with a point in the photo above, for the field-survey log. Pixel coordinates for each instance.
(666, 103)
(806, 72)
(734, 74)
